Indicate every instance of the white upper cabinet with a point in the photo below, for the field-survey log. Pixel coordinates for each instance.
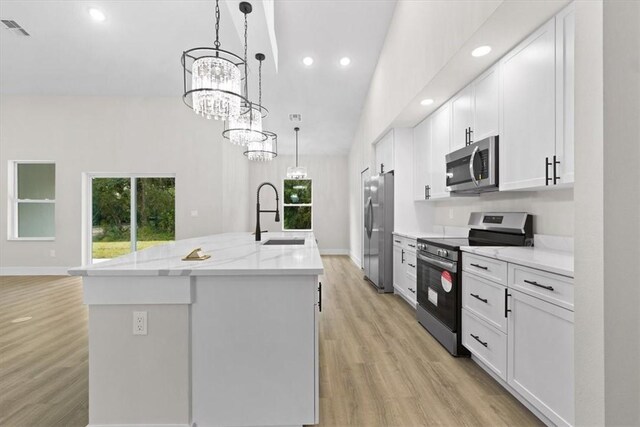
(527, 143)
(486, 90)
(565, 41)
(440, 147)
(384, 154)
(422, 159)
(462, 118)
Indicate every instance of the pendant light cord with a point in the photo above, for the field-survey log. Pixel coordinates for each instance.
(246, 75)
(260, 83)
(217, 42)
(296, 147)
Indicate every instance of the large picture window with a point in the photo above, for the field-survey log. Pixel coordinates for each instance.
(298, 205)
(32, 197)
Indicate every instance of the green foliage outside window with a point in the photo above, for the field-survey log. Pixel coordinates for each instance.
(297, 204)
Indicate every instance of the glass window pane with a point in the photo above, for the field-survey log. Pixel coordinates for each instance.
(36, 220)
(111, 222)
(156, 211)
(297, 191)
(297, 217)
(36, 181)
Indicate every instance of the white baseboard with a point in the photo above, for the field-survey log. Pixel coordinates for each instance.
(357, 261)
(34, 271)
(334, 251)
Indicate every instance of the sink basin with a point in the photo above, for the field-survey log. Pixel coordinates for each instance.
(284, 242)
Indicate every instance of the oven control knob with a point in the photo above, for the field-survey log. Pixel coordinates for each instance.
(445, 253)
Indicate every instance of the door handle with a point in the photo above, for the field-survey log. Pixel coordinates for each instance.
(506, 302)
(478, 297)
(320, 296)
(480, 266)
(546, 170)
(381, 168)
(555, 174)
(477, 338)
(472, 169)
(412, 265)
(402, 257)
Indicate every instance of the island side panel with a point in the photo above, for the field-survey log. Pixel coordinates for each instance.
(254, 350)
(137, 379)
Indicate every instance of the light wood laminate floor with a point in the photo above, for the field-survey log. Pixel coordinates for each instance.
(378, 367)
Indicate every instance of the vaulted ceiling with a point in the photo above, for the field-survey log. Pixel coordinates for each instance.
(136, 52)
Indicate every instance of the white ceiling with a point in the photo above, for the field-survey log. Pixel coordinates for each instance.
(136, 52)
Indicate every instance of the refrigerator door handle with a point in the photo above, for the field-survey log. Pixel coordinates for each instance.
(370, 231)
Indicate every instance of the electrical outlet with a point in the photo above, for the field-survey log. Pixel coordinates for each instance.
(52, 253)
(139, 323)
(194, 213)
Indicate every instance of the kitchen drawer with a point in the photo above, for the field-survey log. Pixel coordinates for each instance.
(410, 245)
(484, 267)
(399, 241)
(485, 299)
(486, 343)
(550, 287)
(411, 273)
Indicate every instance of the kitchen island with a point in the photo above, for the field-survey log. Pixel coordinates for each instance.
(231, 340)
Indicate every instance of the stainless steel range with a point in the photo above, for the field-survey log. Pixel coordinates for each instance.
(440, 266)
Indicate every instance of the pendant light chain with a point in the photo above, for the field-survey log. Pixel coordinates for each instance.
(246, 74)
(260, 83)
(217, 42)
(296, 147)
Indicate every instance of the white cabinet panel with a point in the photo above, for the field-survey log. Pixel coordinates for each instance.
(461, 118)
(398, 266)
(485, 299)
(565, 41)
(440, 147)
(540, 356)
(528, 111)
(487, 104)
(486, 343)
(385, 154)
(421, 159)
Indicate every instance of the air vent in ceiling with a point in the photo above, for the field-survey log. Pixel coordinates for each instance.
(295, 117)
(15, 27)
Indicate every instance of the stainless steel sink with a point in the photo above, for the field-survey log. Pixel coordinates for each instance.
(284, 242)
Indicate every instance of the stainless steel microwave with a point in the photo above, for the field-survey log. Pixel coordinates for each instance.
(474, 168)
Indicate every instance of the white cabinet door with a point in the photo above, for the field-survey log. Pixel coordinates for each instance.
(540, 356)
(461, 118)
(398, 268)
(487, 104)
(440, 140)
(528, 111)
(565, 41)
(385, 154)
(421, 159)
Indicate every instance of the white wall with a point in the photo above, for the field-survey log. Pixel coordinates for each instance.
(118, 134)
(622, 212)
(330, 197)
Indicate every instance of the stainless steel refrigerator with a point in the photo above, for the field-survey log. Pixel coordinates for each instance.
(378, 226)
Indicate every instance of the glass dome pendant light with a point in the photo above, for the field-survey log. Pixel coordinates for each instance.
(267, 150)
(247, 126)
(212, 79)
(296, 172)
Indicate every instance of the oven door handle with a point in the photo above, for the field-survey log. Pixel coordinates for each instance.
(450, 266)
(472, 170)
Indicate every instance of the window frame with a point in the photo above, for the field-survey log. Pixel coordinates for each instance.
(14, 201)
(310, 205)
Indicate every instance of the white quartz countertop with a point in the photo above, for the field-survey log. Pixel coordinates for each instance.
(554, 261)
(231, 254)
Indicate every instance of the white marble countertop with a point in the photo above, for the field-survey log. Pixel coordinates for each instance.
(551, 260)
(231, 254)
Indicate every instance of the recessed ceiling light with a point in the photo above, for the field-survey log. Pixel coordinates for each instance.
(307, 60)
(481, 51)
(427, 101)
(97, 15)
(345, 61)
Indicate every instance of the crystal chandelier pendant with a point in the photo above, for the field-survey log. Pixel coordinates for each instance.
(296, 172)
(215, 83)
(263, 151)
(246, 127)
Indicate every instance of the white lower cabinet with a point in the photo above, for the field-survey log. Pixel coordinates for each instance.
(404, 269)
(540, 356)
(521, 334)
